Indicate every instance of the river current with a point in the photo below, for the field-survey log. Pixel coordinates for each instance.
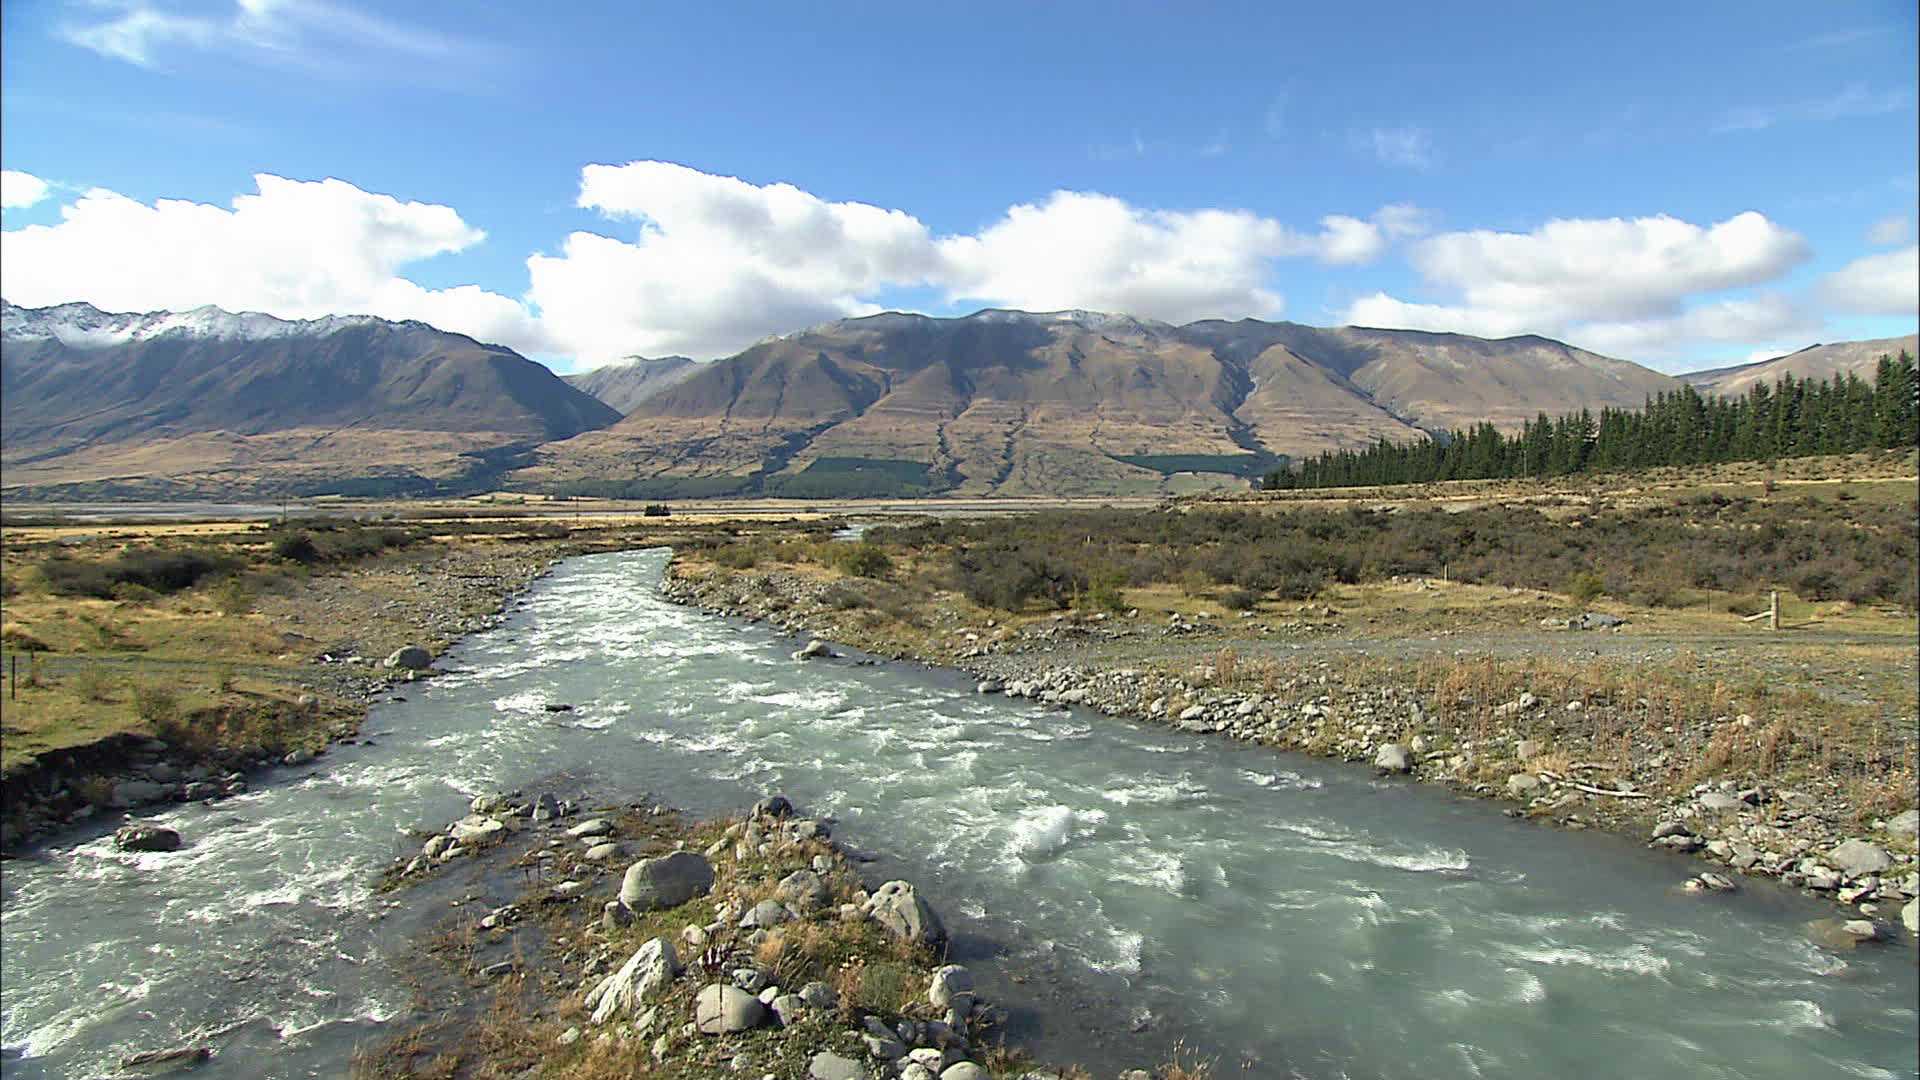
(1287, 916)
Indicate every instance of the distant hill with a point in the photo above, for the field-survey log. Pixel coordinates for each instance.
(1073, 402)
(178, 403)
(628, 383)
(1814, 362)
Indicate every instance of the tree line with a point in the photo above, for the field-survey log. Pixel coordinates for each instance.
(1791, 418)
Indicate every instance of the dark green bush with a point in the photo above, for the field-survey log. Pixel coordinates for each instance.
(862, 560)
(161, 570)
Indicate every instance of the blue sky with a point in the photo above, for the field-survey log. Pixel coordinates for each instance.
(1678, 187)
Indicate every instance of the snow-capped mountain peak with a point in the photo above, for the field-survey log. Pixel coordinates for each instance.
(83, 326)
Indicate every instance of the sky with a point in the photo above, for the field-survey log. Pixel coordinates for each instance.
(1682, 185)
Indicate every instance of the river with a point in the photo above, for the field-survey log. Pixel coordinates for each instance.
(1291, 916)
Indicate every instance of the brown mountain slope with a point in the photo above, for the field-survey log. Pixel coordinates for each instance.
(628, 383)
(1814, 362)
(1073, 402)
(206, 399)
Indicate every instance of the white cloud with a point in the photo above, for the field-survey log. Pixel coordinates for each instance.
(295, 249)
(691, 263)
(311, 34)
(1087, 250)
(18, 189)
(1883, 284)
(1628, 286)
(1890, 230)
(1408, 148)
(719, 262)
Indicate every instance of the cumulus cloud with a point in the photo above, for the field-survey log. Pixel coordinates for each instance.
(294, 249)
(1625, 285)
(1087, 250)
(689, 263)
(18, 189)
(717, 262)
(1883, 284)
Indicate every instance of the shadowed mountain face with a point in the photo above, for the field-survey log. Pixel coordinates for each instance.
(624, 385)
(1814, 362)
(1070, 403)
(293, 406)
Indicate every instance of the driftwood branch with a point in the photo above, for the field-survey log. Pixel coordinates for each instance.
(1591, 790)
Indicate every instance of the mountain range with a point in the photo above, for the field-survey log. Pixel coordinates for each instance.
(1016, 403)
(211, 404)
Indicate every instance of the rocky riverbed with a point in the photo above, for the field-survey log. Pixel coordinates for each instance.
(1585, 762)
(751, 945)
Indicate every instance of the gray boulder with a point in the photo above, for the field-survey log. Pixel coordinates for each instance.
(899, 909)
(725, 1010)
(1391, 758)
(773, 806)
(826, 1066)
(1720, 801)
(787, 1009)
(470, 830)
(964, 1070)
(765, 915)
(144, 837)
(1906, 823)
(820, 996)
(1521, 785)
(647, 972)
(1910, 916)
(1857, 858)
(410, 658)
(815, 650)
(947, 982)
(804, 890)
(591, 827)
(665, 882)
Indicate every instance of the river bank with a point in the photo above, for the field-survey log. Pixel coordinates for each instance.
(298, 678)
(1580, 747)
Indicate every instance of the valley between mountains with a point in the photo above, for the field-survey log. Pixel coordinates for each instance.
(209, 404)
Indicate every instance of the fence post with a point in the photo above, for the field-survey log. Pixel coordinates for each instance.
(1773, 610)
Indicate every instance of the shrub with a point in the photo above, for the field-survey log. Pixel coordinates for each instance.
(737, 556)
(129, 593)
(156, 704)
(655, 510)
(158, 569)
(1302, 585)
(1239, 599)
(842, 598)
(296, 547)
(233, 597)
(93, 685)
(1103, 593)
(862, 560)
(1585, 587)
